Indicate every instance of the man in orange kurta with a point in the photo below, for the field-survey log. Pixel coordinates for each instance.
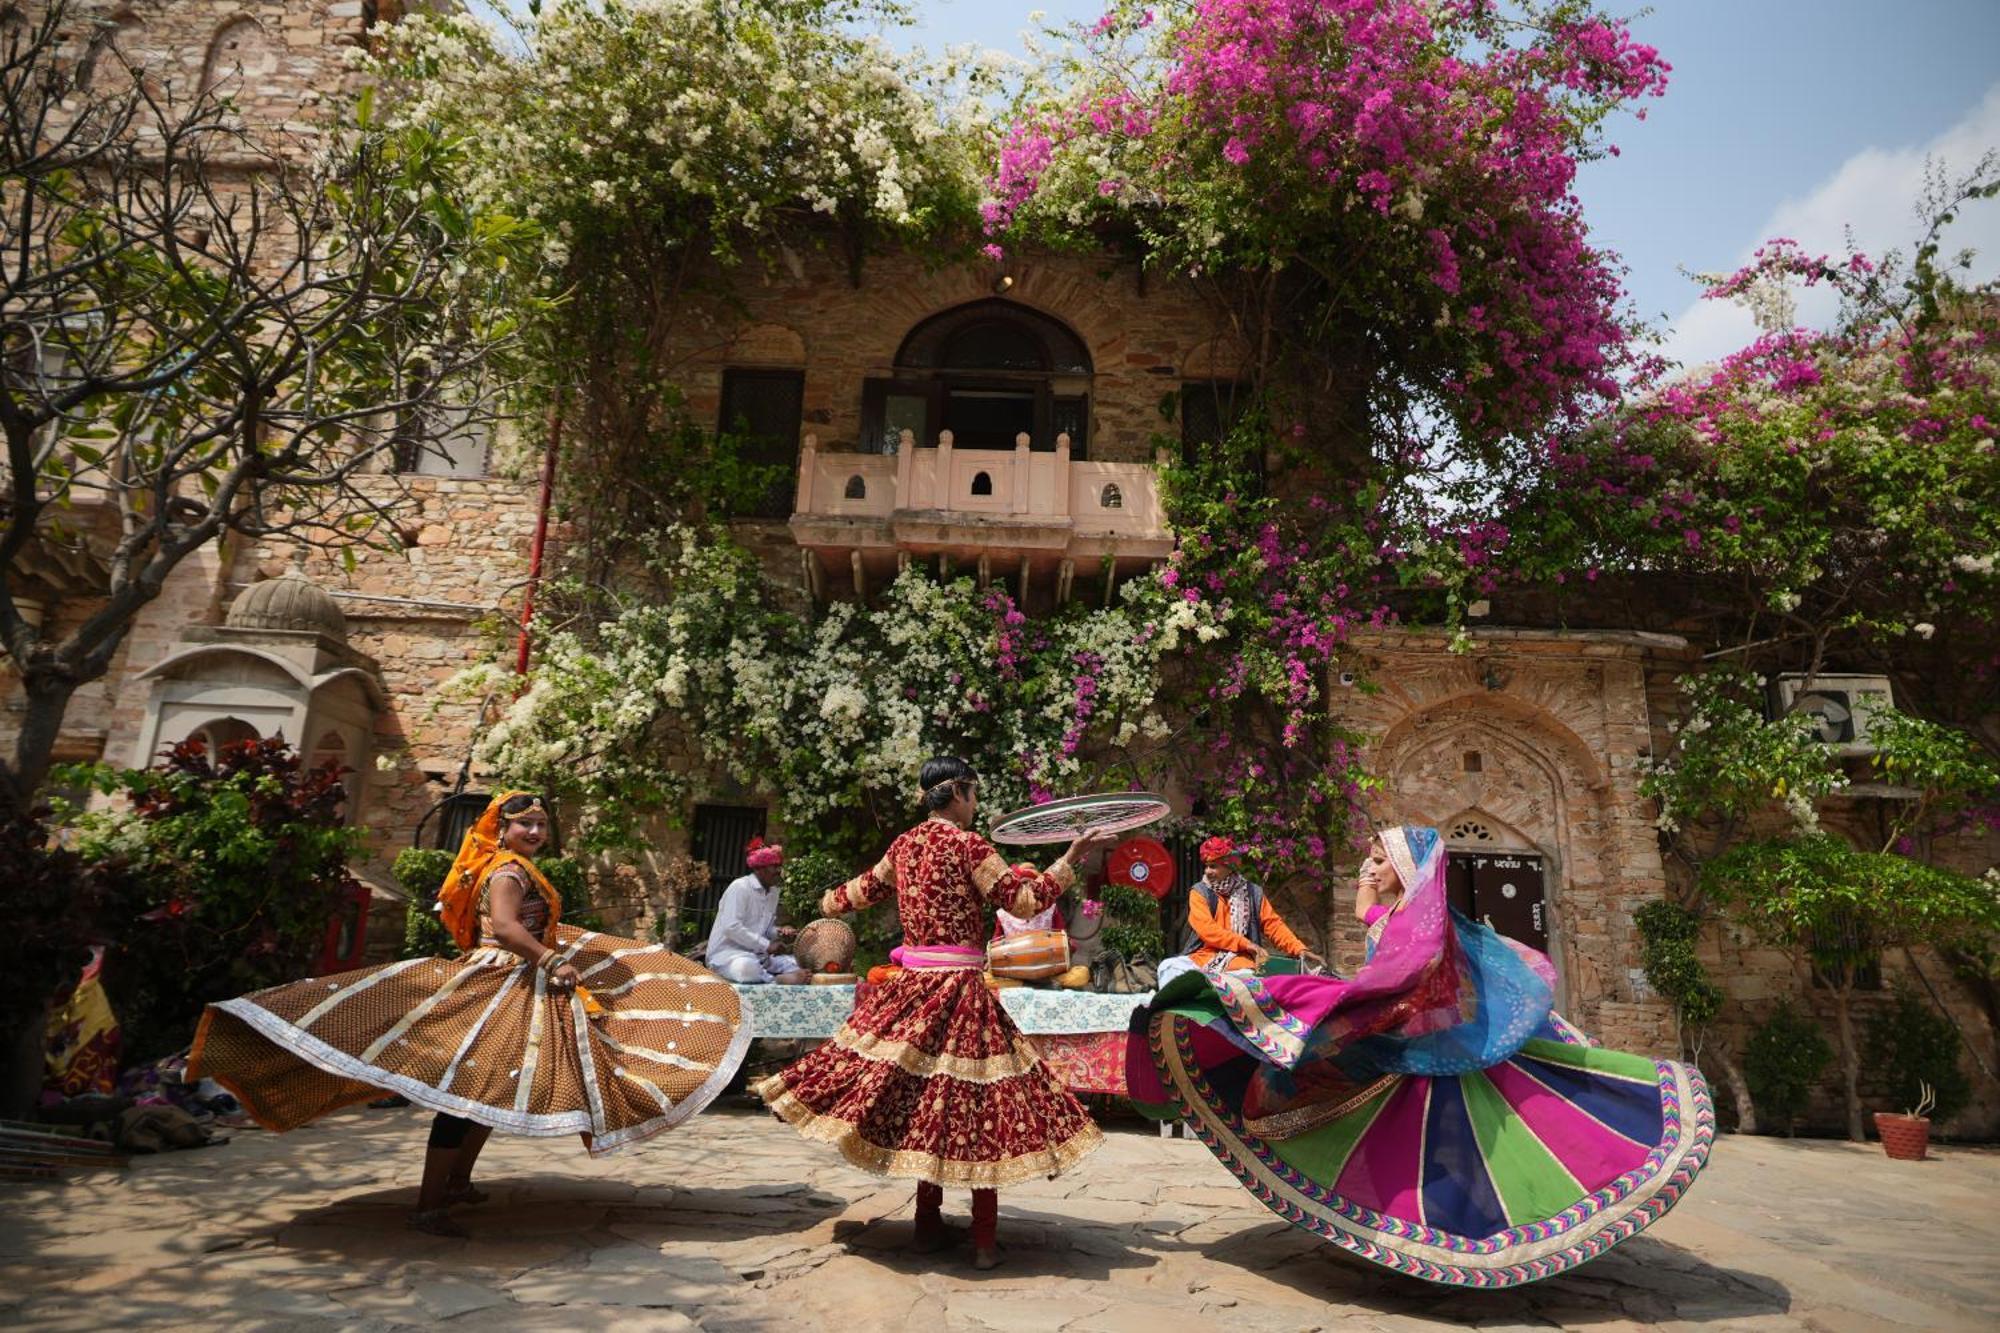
(1231, 924)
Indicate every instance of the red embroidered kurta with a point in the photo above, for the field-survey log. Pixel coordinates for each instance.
(929, 1078)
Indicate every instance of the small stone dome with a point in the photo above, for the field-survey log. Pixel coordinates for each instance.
(288, 602)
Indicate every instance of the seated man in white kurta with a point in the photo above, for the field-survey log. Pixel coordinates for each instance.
(746, 926)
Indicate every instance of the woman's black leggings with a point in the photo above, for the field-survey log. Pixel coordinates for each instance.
(449, 1131)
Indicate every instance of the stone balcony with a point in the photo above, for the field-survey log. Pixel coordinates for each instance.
(1032, 517)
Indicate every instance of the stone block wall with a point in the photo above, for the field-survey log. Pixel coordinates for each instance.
(1143, 338)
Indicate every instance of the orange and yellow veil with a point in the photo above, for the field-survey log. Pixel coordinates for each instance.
(478, 857)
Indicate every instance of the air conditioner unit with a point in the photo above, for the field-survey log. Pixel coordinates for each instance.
(1838, 706)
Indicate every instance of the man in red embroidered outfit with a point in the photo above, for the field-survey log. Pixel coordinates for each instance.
(929, 1078)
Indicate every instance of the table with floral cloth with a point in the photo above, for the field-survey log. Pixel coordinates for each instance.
(1080, 1033)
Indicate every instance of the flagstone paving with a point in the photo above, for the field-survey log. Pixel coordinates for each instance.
(735, 1224)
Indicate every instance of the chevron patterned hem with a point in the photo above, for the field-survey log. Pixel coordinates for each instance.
(1507, 1258)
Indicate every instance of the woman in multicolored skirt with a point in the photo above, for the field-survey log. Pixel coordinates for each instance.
(537, 1028)
(1433, 1114)
(929, 1078)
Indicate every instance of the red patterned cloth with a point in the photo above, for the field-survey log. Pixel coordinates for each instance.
(1085, 1061)
(929, 1078)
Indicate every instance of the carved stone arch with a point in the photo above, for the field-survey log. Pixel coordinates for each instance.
(117, 42)
(1473, 829)
(1536, 790)
(1503, 715)
(1220, 358)
(238, 52)
(767, 345)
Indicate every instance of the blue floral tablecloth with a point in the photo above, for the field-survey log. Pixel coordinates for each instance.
(818, 1011)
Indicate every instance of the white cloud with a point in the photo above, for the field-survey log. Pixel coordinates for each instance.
(1872, 194)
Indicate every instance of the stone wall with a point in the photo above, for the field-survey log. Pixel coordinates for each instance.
(1143, 338)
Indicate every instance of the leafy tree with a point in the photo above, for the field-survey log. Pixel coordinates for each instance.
(1836, 910)
(230, 867)
(200, 335)
(1783, 1061)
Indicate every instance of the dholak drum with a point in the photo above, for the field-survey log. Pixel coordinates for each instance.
(1032, 955)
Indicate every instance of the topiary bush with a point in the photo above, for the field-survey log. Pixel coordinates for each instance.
(1784, 1061)
(1132, 923)
(419, 872)
(1914, 1044)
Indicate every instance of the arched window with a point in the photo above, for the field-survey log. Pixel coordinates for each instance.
(1110, 497)
(982, 483)
(222, 731)
(857, 488)
(988, 372)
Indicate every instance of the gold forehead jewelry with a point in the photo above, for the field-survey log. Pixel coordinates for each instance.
(534, 808)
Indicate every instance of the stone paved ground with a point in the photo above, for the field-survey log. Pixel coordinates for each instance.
(735, 1224)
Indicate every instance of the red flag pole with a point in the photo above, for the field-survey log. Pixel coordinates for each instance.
(541, 536)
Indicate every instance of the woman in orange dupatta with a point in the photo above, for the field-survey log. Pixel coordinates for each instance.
(536, 1028)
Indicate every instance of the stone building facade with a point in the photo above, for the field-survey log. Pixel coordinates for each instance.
(1527, 750)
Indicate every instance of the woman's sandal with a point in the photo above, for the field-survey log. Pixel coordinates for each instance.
(437, 1222)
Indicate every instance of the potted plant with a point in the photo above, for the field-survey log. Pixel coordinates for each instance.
(1905, 1137)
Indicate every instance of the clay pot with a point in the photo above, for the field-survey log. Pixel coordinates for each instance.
(1904, 1137)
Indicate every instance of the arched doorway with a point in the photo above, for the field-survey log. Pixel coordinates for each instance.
(987, 372)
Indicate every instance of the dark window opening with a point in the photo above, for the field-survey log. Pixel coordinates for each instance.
(722, 836)
(988, 372)
(1071, 417)
(762, 411)
(857, 489)
(982, 483)
(890, 407)
(990, 418)
(1210, 409)
(1473, 763)
(1110, 498)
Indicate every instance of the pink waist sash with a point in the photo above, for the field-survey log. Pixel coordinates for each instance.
(937, 956)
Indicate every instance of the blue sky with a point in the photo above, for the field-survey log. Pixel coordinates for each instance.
(1784, 117)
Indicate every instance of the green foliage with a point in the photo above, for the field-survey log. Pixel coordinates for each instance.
(1784, 1061)
(232, 869)
(419, 872)
(1132, 923)
(1914, 1044)
(1945, 766)
(662, 149)
(1667, 936)
(833, 714)
(1840, 909)
(1728, 761)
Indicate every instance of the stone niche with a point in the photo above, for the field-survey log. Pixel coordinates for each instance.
(279, 665)
(1527, 747)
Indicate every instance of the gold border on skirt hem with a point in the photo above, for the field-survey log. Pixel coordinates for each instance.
(881, 1161)
(1023, 1058)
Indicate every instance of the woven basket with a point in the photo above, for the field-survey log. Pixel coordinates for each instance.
(824, 942)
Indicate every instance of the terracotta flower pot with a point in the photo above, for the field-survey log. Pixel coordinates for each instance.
(1904, 1137)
